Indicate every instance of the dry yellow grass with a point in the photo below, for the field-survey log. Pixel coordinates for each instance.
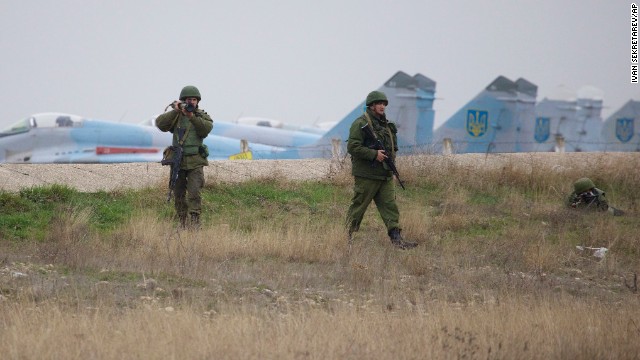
(513, 329)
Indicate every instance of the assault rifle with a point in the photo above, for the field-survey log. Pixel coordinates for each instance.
(589, 197)
(378, 145)
(174, 159)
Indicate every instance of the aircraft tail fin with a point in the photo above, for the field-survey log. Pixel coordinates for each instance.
(502, 84)
(493, 121)
(621, 130)
(526, 87)
(568, 125)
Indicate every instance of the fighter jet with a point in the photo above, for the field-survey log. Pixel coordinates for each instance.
(66, 138)
(619, 131)
(496, 120)
(259, 134)
(316, 128)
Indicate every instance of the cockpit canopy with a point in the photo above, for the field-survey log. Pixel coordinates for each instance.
(44, 120)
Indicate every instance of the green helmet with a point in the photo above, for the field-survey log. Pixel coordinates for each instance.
(376, 96)
(190, 91)
(582, 185)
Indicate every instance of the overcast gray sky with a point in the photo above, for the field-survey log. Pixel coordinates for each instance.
(295, 60)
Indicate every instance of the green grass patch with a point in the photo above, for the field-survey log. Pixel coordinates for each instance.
(47, 195)
(27, 214)
(108, 210)
(247, 203)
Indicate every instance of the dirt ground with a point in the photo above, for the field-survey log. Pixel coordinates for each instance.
(108, 177)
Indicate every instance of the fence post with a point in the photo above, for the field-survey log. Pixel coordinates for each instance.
(560, 144)
(447, 146)
(335, 149)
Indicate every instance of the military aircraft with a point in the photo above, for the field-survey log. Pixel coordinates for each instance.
(316, 128)
(261, 131)
(66, 138)
(493, 121)
(619, 132)
(260, 134)
(568, 125)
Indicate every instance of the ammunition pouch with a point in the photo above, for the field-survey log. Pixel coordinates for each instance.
(203, 150)
(167, 155)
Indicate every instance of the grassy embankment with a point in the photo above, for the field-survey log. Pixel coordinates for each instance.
(270, 275)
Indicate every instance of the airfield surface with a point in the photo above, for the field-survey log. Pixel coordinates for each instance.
(109, 177)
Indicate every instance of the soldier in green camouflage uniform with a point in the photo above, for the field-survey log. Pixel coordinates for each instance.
(373, 178)
(586, 195)
(197, 125)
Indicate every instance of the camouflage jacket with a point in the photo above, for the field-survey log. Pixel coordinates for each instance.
(363, 156)
(196, 128)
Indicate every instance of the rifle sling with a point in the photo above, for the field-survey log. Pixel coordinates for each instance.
(184, 136)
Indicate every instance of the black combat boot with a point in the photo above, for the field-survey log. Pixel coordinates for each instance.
(397, 241)
(195, 221)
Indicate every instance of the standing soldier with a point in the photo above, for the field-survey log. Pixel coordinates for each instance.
(373, 178)
(194, 124)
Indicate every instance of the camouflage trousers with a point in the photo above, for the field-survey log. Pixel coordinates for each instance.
(382, 192)
(187, 192)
